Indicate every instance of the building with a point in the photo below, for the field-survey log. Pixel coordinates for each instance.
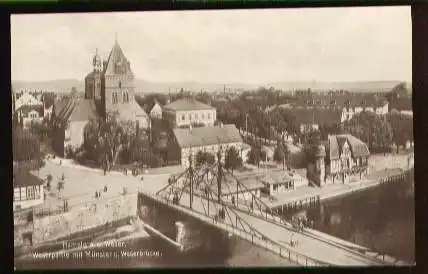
(27, 190)
(281, 181)
(243, 194)
(342, 159)
(109, 89)
(26, 99)
(156, 110)
(30, 109)
(189, 141)
(28, 114)
(188, 111)
(348, 104)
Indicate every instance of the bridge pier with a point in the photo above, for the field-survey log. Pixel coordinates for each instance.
(180, 232)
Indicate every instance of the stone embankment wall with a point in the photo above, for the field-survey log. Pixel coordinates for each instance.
(87, 216)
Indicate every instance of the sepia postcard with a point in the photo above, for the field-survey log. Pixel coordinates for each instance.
(228, 138)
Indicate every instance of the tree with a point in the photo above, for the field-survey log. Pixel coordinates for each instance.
(60, 186)
(254, 156)
(280, 154)
(233, 160)
(26, 146)
(372, 129)
(105, 139)
(49, 179)
(402, 127)
(204, 158)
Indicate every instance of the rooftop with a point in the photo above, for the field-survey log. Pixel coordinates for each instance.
(229, 185)
(203, 136)
(336, 142)
(23, 178)
(187, 104)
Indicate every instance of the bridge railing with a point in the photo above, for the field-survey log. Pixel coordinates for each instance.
(274, 247)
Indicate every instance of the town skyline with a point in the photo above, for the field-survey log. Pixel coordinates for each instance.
(366, 51)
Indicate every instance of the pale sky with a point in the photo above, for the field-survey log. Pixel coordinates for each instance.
(241, 46)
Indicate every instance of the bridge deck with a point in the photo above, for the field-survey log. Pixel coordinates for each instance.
(317, 252)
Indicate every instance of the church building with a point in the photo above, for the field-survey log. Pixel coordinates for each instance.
(109, 89)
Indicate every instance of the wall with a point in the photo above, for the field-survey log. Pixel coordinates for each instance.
(213, 149)
(85, 217)
(74, 134)
(196, 116)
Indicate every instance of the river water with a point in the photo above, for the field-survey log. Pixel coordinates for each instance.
(381, 218)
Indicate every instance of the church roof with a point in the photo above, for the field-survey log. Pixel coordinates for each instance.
(204, 136)
(187, 104)
(117, 62)
(336, 142)
(128, 110)
(78, 110)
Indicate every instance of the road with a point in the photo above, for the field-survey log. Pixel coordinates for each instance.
(311, 247)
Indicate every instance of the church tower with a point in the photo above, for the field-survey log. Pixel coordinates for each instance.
(94, 83)
(119, 83)
(320, 165)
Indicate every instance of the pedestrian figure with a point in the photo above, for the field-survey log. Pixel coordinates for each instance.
(291, 239)
(312, 224)
(105, 170)
(105, 188)
(63, 177)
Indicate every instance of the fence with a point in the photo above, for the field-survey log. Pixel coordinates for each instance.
(261, 241)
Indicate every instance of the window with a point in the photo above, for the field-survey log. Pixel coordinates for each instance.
(30, 193)
(124, 97)
(16, 194)
(203, 116)
(23, 194)
(37, 192)
(114, 98)
(120, 84)
(183, 117)
(190, 117)
(209, 116)
(196, 116)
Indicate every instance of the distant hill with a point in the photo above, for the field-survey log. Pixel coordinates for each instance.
(142, 86)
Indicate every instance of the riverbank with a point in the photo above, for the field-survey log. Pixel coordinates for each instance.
(303, 195)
